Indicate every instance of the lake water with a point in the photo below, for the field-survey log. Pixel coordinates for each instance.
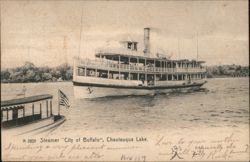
(224, 103)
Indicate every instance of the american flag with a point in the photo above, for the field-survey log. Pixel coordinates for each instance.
(63, 99)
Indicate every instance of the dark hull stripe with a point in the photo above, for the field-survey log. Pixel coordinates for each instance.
(137, 87)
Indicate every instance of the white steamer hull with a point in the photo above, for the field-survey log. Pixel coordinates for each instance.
(90, 87)
(96, 92)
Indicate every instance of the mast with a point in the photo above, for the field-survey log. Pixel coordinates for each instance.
(179, 47)
(80, 39)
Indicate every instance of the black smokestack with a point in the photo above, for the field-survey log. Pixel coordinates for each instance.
(146, 42)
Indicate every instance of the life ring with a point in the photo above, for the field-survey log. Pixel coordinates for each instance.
(91, 72)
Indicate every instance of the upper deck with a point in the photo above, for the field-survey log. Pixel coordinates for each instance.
(128, 59)
(128, 63)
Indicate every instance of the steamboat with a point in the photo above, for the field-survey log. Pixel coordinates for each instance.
(125, 71)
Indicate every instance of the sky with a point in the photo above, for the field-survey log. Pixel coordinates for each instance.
(49, 33)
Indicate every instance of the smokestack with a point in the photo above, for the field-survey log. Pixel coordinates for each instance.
(146, 42)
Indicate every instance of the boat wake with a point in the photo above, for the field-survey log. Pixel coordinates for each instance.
(173, 93)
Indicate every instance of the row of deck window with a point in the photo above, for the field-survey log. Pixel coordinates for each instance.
(21, 111)
(137, 76)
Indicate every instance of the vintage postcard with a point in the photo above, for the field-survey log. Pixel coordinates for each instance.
(131, 81)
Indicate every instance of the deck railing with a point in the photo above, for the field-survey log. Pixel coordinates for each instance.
(111, 65)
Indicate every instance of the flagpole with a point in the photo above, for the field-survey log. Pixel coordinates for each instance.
(58, 102)
(197, 46)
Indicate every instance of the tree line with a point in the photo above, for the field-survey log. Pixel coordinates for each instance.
(30, 73)
(227, 71)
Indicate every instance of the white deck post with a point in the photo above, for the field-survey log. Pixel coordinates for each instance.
(165, 66)
(23, 111)
(47, 108)
(119, 62)
(50, 107)
(58, 103)
(138, 75)
(145, 70)
(161, 67)
(7, 114)
(154, 79)
(41, 109)
(154, 65)
(32, 109)
(128, 68)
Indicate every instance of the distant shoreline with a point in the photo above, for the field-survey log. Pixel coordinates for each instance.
(218, 77)
(227, 77)
(29, 73)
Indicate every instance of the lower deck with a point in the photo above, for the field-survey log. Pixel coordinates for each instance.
(136, 76)
(134, 84)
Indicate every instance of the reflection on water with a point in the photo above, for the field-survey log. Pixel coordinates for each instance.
(222, 103)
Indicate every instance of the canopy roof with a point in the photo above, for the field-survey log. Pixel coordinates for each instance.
(25, 100)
